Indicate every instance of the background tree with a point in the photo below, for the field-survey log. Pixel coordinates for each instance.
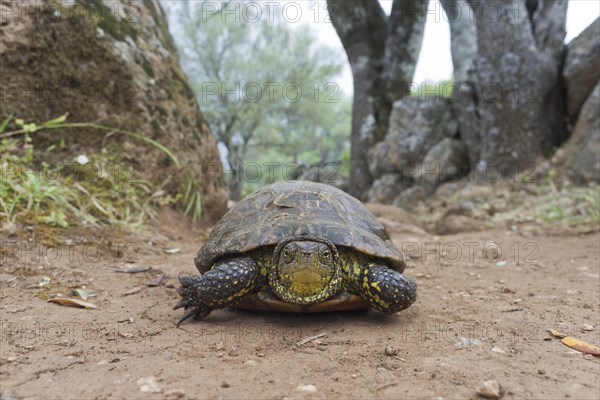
(507, 59)
(383, 53)
(240, 70)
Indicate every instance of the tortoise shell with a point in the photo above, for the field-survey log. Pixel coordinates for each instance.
(291, 209)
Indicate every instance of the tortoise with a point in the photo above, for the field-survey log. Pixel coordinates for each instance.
(297, 246)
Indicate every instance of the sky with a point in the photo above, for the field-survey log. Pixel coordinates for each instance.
(435, 63)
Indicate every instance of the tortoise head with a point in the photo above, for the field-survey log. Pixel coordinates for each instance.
(305, 270)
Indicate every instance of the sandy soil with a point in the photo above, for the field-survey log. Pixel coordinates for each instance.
(479, 316)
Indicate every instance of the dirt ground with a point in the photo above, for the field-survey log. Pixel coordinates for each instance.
(479, 315)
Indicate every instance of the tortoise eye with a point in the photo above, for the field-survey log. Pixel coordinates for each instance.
(288, 254)
(326, 255)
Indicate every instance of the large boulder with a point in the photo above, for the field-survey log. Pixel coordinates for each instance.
(415, 126)
(387, 188)
(582, 68)
(445, 162)
(410, 197)
(579, 159)
(112, 63)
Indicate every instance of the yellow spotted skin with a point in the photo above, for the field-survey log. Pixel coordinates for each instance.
(231, 280)
(387, 290)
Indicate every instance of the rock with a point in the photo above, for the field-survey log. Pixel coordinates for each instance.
(466, 208)
(410, 197)
(126, 75)
(453, 224)
(225, 384)
(327, 173)
(415, 126)
(387, 188)
(174, 394)
(446, 161)
(390, 351)
(307, 388)
(579, 159)
(148, 384)
(490, 390)
(581, 71)
(587, 328)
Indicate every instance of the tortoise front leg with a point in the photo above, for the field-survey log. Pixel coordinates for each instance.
(386, 290)
(221, 287)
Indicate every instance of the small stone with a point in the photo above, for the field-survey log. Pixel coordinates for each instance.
(219, 346)
(148, 384)
(465, 342)
(490, 389)
(541, 372)
(252, 363)
(307, 388)
(390, 351)
(233, 352)
(498, 350)
(260, 354)
(354, 375)
(174, 394)
(587, 328)
(224, 384)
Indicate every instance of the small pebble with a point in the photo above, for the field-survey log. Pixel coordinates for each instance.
(224, 384)
(490, 389)
(307, 388)
(233, 352)
(587, 328)
(390, 351)
(148, 384)
(251, 363)
(174, 394)
(541, 372)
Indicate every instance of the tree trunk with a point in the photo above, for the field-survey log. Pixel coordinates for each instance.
(514, 110)
(236, 184)
(383, 52)
(463, 44)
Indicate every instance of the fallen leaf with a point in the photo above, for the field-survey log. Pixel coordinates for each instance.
(134, 290)
(133, 270)
(556, 334)
(157, 281)
(82, 294)
(581, 346)
(71, 301)
(174, 250)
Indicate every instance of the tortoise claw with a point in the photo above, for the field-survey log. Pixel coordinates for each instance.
(193, 306)
(197, 312)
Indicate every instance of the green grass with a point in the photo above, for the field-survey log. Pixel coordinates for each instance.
(58, 196)
(573, 206)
